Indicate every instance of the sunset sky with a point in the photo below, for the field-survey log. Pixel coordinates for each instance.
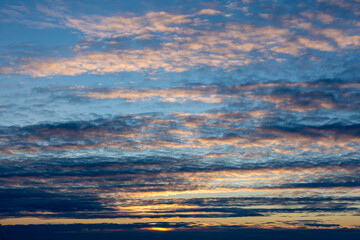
(171, 115)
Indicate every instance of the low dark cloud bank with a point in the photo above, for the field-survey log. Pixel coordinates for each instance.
(140, 231)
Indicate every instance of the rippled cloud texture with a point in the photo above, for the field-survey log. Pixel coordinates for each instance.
(173, 115)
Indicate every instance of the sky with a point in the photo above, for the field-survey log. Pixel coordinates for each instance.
(180, 115)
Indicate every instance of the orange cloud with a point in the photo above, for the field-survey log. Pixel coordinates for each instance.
(165, 95)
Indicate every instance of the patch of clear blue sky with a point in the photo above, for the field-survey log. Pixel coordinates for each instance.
(16, 33)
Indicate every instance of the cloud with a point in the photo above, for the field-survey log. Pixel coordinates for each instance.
(340, 3)
(109, 187)
(202, 94)
(236, 126)
(126, 61)
(179, 230)
(301, 97)
(183, 42)
(40, 16)
(342, 39)
(149, 184)
(116, 26)
(209, 12)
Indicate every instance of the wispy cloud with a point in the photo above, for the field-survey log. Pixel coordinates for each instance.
(187, 42)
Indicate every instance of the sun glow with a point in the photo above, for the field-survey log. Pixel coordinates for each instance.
(160, 229)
